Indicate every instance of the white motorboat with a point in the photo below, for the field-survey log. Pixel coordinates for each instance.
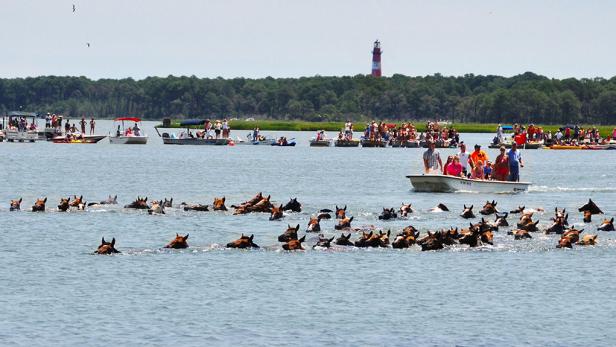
(17, 131)
(125, 136)
(444, 184)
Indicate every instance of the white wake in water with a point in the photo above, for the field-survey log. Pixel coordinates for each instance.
(543, 189)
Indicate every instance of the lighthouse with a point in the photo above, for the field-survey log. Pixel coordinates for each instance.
(376, 59)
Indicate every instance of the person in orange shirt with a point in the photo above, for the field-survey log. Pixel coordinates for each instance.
(478, 155)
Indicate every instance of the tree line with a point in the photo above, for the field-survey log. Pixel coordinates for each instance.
(523, 98)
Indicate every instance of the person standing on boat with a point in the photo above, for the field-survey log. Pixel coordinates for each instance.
(465, 159)
(432, 160)
(136, 130)
(515, 162)
(499, 134)
(83, 125)
(92, 126)
(225, 128)
(501, 166)
(348, 130)
(478, 155)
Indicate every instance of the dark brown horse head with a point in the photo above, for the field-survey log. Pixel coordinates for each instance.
(314, 224)
(262, 206)
(487, 237)
(219, 204)
(324, 242)
(362, 241)
(467, 213)
(489, 208)
(167, 202)
(344, 223)
(341, 212)
(178, 242)
(276, 213)
(573, 234)
(289, 234)
(607, 225)
(431, 242)
(442, 207)
(140, 204)
(344, 240)
(520, 209)
(591, 206)
(564, 242)
(293, 205)
(255, 199)
(16, 204)
(293, 245)
(76, 201)
(64, 204)
(107, 247)
(388, 213)
(501, 220)
(39, 205)
(519, 234)
(243, 242)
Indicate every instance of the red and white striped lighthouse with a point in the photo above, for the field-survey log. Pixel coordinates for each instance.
(376, 59)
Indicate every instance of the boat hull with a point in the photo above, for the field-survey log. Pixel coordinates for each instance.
(448, 184)
(530, 145)
(85, 140)
(346, 143)
(405, 144)
(320, 143)
(372, 144)
(195, 141)
(128, 140)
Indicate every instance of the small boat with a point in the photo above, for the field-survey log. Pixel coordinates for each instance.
(347, 143)
(186, 138)
(373, 143)
(13, 133)
(288, 144)
(262, 140)
(125, 138)
(320, 143)
(447, 184)
(405, 144)
(78, 139)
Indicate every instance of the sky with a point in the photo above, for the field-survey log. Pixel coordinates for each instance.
(260, 38)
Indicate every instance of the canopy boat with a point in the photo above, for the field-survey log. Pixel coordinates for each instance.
(187, 138)
(320, 143)
(78, 139)
(447, 184)
(405, 144)
(346, 143)
(134, 136)
(373, 143)
(594, 147)
(16, 132)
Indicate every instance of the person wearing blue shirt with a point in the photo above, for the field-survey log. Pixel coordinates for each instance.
(515, 162)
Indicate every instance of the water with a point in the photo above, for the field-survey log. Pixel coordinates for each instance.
(55, 292)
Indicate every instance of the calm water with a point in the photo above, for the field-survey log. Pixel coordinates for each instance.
(55, 292)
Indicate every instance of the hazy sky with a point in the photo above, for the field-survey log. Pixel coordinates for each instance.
(259, 38)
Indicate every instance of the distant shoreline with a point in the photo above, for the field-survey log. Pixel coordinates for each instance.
(277, 125)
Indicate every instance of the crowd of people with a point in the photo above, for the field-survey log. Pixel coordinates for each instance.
(21, 124)
(567, 135)
(475, 165)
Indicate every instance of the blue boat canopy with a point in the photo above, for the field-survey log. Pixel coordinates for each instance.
(507, 127)
(188, 122)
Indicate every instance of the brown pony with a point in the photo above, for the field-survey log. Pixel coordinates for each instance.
(324, 242)
(262, 206)
(289, 234)
(520, 234)
(16, 204)
(76, 201)
(276, 213)
(405, 210)
(64, 204)
(219, 204)
(293, 245)
(341, 212)
(467, 213)
(406, 238)
(39, 205)
(243, 242)
(489, 208)
(157, 207)
(107, 247)
(140, 204)
(314, 224)
(607, 225)
(344, 223)
(588, 240)
(178, 242)
(250, 202)
(431, 242)
(520, 209)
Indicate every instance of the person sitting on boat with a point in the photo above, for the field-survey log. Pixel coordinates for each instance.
(128, 132)
(225, 128)
(455, 168)
(515, 162)
(136, 129)
(477, 173)
(340, 136)
(432, 160)
(501, 166)
(478, 155)
(449, 161)
(487, 171)
(118, 132)
(73, 128)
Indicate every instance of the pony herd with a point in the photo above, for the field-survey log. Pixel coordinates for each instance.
(476, 234)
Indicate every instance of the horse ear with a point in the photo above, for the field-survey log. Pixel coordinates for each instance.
(103, 241)
(332, 239)
(471, 207)
(20, 200)
(223, 199)
(186, 237)
(612, 220)
(348, 237)
(465, 206)
(302, 239)
(337, 208)
(345, 207)
(177, 235)
(297, 227)
(112, 242)
(388, 232)
(81, 197)
(350, 220)
(45, 200)
(251, 237)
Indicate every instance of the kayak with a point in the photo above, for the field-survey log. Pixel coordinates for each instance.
(289, 144)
